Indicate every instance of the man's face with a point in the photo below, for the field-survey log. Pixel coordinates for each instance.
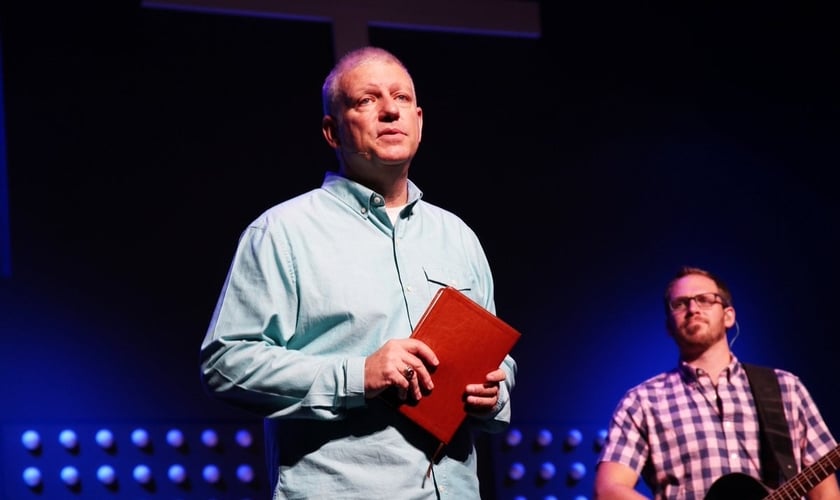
(378, 118)
(696, 328)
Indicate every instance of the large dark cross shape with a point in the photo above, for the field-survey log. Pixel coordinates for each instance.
(351, 18)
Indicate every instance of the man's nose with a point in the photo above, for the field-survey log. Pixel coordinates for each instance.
(389, 109)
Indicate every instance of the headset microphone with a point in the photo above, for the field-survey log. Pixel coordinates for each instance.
(363, 154)
(737, 332)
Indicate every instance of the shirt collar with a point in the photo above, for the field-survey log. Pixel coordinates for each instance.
(362, 198)
(689, 373)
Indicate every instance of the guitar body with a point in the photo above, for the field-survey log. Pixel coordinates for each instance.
(737, 486)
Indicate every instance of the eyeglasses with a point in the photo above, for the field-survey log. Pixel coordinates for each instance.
(703, 300)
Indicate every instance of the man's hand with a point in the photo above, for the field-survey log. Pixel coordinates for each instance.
(480, 399)
(400, 363)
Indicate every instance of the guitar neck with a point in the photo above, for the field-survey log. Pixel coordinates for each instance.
(802, 483)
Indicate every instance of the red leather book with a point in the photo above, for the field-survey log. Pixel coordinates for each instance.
(469, 342)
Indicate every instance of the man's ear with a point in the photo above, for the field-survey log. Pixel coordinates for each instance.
(419, 123)
(329, 128)
(729, 317)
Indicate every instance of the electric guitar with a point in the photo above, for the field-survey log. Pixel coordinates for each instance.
(739, 486)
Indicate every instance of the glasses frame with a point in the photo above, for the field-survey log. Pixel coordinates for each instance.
(683, 303)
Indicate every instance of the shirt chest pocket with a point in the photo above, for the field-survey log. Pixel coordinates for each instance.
(439, 277)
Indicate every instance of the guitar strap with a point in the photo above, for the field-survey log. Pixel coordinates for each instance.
(777, 462)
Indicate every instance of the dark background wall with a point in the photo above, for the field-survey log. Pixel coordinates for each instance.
(629, 139)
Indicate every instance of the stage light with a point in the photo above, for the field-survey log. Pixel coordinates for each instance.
(142, 474)
(32, 477)
(211, 474)
(31, 440)
(175, 438)
(106, 475)
(516, 471)
(600, 439)
(547, 471)
(574, 438)
(70, 475)
(544, 437)
(210, 438)
(68, 439)
(105, 439)
(177, 474)
(577, 471)
(140, 438)
(244, 438)
(513, 437)
(245, 473)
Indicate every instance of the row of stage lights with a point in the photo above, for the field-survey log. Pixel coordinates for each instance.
(534, 463)
(70, 475)
(140, 437)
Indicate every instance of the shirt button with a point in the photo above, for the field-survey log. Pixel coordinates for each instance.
(727, 425)
(377, 200)
(364, 210)
(733, 457)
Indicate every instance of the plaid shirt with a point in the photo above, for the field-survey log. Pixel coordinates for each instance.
(681, 433)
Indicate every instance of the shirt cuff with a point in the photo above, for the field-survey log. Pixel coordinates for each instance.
(355, 380)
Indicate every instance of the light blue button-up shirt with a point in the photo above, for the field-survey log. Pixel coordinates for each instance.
(318, 283)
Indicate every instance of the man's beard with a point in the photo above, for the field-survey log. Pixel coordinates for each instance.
(698, 335)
